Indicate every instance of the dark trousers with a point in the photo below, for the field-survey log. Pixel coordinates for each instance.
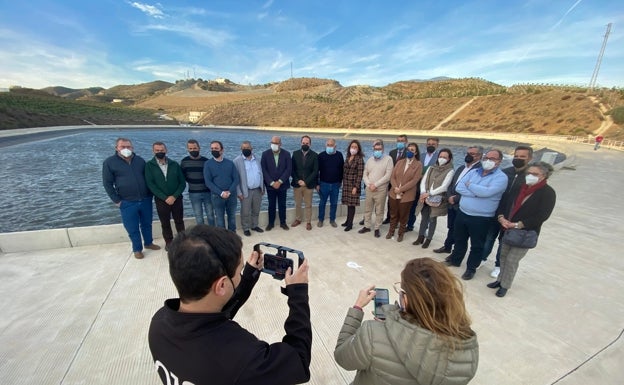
(276, 196)
(490, 239)
(451, 215)
(475, 228)
(166, 212)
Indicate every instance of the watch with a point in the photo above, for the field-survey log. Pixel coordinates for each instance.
(516, 225)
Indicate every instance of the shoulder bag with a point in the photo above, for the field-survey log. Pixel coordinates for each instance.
(526, 239)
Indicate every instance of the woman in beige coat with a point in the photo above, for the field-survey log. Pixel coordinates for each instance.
(404, 180)
(427, 339)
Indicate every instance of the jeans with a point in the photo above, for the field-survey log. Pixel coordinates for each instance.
(328, 190)
(490, 239)
(136, 217)
(475, 228)
(223, 206)
(202, 202)
(274, 195)
(166, 212)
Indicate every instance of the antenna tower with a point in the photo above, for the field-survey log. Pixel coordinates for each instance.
(592, 82)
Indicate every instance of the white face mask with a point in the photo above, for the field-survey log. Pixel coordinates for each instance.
(442, 161)
(353, 151)
(274, 147)
(126, 152)
(531, 179)
(488, 165)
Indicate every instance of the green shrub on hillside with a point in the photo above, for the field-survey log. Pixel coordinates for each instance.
(617, 114)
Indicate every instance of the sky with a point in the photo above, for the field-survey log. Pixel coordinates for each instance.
(103, 43)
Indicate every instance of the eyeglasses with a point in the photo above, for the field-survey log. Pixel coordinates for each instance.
(492, 159)
(472, 153)
(397, 287)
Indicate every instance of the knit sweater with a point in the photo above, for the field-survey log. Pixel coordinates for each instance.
(173, 185)
(221, 176)
(125, 180)
(378, 172)
(193, 170)
(330, 167)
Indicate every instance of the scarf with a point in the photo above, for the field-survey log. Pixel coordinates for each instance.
(525, 192)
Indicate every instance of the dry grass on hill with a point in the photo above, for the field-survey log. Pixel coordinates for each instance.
(403, 105)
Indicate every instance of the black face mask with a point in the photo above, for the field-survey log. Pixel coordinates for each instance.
(305, 147)
(246, 153)
(518, 163)
(160, 155)
(194, 154)
(469, 158)
(215, 153)
(430, 149)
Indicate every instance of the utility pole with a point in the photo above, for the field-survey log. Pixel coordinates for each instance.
(592, 82)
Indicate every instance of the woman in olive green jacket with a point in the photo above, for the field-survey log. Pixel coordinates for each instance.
(414, 344)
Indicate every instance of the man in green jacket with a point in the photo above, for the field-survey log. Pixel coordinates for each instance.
(166, 181)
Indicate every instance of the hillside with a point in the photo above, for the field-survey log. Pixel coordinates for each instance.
(446, 104)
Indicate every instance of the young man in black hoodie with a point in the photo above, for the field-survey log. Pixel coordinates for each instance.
(193, 339)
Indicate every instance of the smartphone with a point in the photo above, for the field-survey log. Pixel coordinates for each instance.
(277, 264)
(381, 298)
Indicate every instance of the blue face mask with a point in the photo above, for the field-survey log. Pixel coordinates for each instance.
(409, 154)
(377, 154)
(400, 145)
(330, 150)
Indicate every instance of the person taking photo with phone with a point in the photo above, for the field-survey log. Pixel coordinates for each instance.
(193, 339)
(425, 339)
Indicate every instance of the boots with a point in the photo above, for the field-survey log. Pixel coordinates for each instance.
(426, 243)
(419, 240)
(390, 232)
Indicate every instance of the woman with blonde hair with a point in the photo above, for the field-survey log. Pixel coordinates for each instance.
(426, 339)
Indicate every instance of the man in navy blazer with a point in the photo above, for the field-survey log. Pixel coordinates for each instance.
(276, 169)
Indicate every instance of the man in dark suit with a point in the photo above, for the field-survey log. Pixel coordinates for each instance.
(276, 169)
(472, 161)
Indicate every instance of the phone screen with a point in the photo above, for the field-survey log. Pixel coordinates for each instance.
(381, 298)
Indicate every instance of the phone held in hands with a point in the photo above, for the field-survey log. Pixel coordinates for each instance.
(381, 298)
(276, 264)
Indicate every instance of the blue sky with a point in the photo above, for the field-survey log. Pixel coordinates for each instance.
(85, 43)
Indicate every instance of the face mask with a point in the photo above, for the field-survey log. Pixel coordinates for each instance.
(518, 163)
(442, 161)
(160, 155)
(126, 152)
(488, 165)
(377, 154)
(330, 150)
(194, 154)
(246, 153)
(353, 151)
(305, 147)
(400, 145)
(531, 179)
(469, 158)
(409, 154)
(274, 147)
(215, 153)
(430, 149)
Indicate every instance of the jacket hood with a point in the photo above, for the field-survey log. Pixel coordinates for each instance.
(426, 356)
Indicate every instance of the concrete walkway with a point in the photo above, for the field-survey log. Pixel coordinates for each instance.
(79, 315)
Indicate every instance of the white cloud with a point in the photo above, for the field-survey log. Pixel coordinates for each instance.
(150, 10)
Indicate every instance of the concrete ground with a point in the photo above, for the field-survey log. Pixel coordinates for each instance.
(80, 315)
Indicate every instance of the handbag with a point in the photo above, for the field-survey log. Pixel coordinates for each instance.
(434, 200)
(526, 239)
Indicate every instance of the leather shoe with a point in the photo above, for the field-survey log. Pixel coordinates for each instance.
(386, 221)
(442, 250)
(284, 226)
(333, 223)
(377, 234)
(408, 229)
(418, 240)
(468, 275)
(348, 228)
(308, 226)
(268, 228)
(493, 285)
(247, 233)
(343, 224)
(138, 255)
(258, 230)
(296, 223)
(362, 222)
(426, 243)
(501, 292)
(400, 238)
(364, 230)
(152, 246)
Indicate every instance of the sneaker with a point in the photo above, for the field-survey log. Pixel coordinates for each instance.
(319, 224)
(495, 272)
